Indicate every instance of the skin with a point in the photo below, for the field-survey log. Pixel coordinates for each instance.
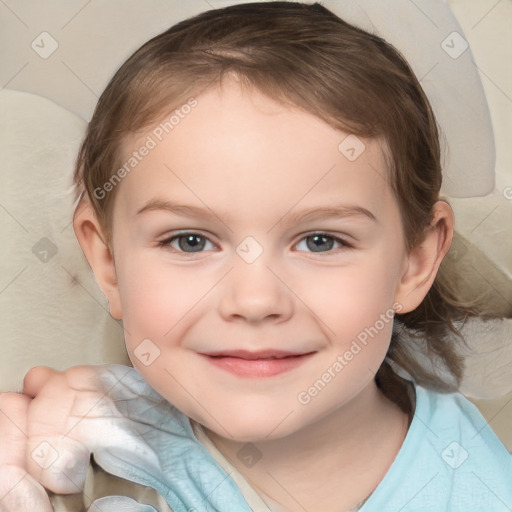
(255, 166)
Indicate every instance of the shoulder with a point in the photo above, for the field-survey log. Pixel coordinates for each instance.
(451, 416)
(450, 460)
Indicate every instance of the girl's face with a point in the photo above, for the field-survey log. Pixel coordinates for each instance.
(259, 255)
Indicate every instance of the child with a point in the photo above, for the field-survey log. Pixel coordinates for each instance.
(260, 205)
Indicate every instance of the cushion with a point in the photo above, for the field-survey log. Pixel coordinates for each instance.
(51, 310)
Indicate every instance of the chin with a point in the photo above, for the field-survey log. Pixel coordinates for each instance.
(250, 427)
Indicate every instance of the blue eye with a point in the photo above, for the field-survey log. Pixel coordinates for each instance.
(188, 242)
(320, 242)
(195, 243)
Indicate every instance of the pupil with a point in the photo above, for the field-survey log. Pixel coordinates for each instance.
(191, 243)
(320, 243)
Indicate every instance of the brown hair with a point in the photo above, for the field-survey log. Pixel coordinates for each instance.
(302, 55)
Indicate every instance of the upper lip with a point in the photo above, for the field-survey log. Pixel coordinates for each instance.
(260, 354)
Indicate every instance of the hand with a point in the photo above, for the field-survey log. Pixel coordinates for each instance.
(19, 492)
(48, 433)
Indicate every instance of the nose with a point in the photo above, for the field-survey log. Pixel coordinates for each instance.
(253, 293)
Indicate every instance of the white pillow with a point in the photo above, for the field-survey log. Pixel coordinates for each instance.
(51, 310)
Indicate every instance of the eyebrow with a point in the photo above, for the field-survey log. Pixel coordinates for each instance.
(178, 209)
(322, 213)
(310, 214)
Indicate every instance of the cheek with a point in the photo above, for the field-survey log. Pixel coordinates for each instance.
(355, 308)
(348, 299)
(156, 297)
(161, 300)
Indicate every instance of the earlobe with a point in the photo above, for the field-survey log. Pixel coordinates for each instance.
(424, 259)
(98, 253)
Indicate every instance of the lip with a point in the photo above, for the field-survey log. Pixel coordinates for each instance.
(263, 363)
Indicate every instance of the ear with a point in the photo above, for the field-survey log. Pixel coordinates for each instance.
(90, 236)
(424, 259)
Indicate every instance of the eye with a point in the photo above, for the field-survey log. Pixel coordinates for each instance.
(321, 242)
(188, 242)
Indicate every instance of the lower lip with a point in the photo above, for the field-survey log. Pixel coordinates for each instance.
(258, 367)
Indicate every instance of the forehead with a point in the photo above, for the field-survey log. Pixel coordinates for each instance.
(238, 149)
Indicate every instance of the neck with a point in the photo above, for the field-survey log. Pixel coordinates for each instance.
(332, 464)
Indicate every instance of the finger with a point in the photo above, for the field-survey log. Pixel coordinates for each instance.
(19, 492)
(13, 429)
(59, 463)
(60, 437)
(36, 378)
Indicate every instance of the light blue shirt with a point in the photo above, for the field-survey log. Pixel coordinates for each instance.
(450, 460)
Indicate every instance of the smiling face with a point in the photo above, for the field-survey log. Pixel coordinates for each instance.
(255, 263)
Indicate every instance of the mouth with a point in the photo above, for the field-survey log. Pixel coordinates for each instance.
(263, 363)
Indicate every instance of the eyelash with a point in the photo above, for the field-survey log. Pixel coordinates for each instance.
(343, 244)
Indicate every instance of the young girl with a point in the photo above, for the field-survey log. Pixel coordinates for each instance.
(259, 201)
